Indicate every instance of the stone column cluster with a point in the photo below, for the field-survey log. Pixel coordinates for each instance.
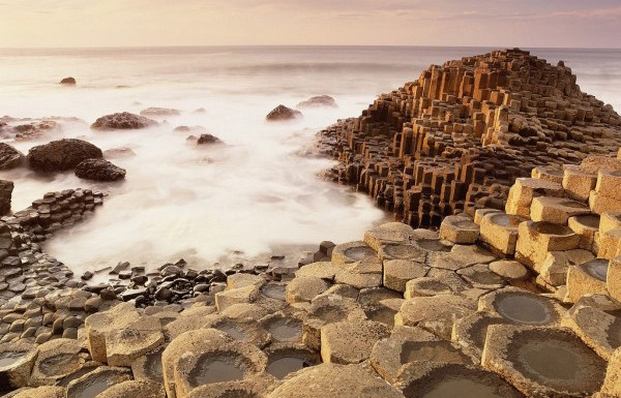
(457, 138)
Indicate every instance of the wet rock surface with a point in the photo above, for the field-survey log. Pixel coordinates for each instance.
(122, 121)
(317, 102)
(159, 112)
(61, 155)
(68, 81)
(283, 113)
(99, 170)
(10, 157)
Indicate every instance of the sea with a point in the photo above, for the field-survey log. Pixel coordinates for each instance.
(260, 192)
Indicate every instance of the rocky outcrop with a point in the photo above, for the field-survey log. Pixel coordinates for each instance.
(99, 170)
(283, 113)
(61, 155)
(122, 121)
(10, 157)
(69, 81)
(318, 102)
(455, 139)
(159, 112)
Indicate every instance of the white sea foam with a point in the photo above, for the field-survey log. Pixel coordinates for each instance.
(201, 203)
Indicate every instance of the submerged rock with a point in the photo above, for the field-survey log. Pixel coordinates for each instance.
(118, 153)
(159, 112)
(61, 155)
(69, 81)
(123, 121)
(34, 129)
(282, 112)
(10, 157)
(99, 170)
(318, 101)
(190, 129)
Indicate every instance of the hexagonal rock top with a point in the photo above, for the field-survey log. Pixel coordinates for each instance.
(444, 380)
(522, 307)
(56, 359)
(435, 313)
(207, 356)
(408, 345)
(350, 341)
(543, 362)
(335, 381)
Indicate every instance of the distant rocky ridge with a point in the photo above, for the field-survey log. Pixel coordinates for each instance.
(457, 138)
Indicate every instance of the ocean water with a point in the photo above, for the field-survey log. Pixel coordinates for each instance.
(251, 195)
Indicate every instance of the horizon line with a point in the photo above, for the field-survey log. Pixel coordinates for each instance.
(304, 45)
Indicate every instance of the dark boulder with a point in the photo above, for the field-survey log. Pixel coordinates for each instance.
(61, 155)
(10, 157)
(69, 81)
(206, 139)
(318, 101)
(99, 170)
(122, 121)
(282, 112)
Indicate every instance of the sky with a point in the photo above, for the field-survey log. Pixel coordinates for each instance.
(507, 23)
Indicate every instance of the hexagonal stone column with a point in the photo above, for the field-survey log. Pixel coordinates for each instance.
(587, 278)
(585, 226)
(524, 190)
(613, 278)
(99, 326)
(556, 210)
(608, 241)
(500, 231)
(606, 197)
(578, 183)
(389, 233)
(459, 229)
(398, 272)
(536, 239)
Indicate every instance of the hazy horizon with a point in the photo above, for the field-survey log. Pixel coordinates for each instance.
(446, 23)
(304, 45)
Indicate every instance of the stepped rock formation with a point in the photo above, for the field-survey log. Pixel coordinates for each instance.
(457, 138)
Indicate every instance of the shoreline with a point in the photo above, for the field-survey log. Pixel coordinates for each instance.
(504, 280)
